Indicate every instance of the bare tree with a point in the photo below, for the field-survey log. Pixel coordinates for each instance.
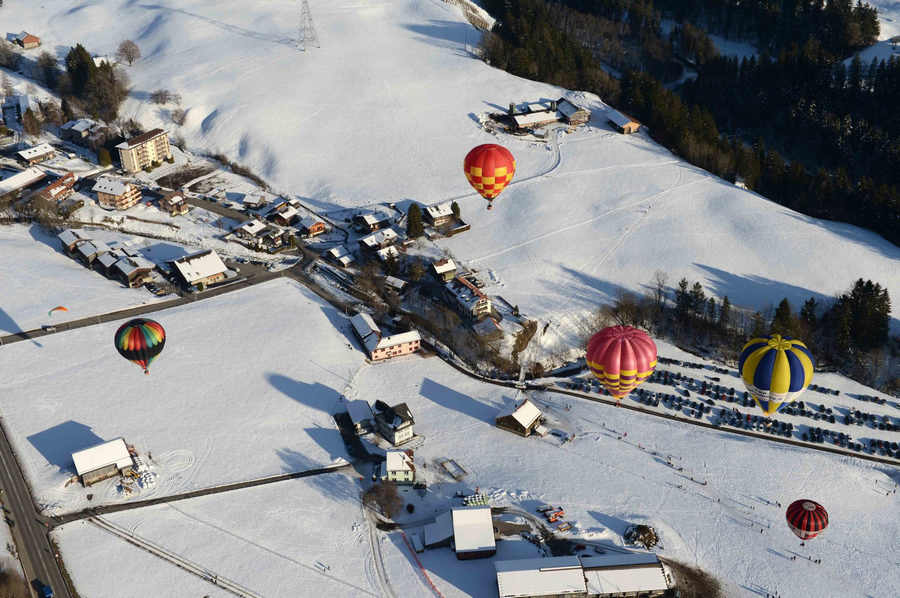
(660, 278)
(178, 116)
(161, 96)
(9, 57)
(128, 51)
(384, 495)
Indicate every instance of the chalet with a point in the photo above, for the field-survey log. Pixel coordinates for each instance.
(468, 300)
(311, 227)
(571, 113)
(90, 250)
(102, 461)
(622, 123)
(361, 416)
(12, 187)
(625, 574)
(387, 253)
(444, 270)
(439, 214)
(250, 230)
(27, 40)
(395, 423)
(560, 576)
(399, 467)
(133, 271)
(521, 419)
(284, 214)
(59, 189)
(36, 154)
(371, 221)
(174, 203)
(473, 532)
(379, 239)
(105, 262)
(116, 194)
(340, 256)
(383, 347)
(69, 239)
(145, 150)
(200, 269)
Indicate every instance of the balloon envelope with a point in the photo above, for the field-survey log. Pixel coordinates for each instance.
(806, 518)
(140, 341)
(775, 370)
(489, 168)
(622, 357)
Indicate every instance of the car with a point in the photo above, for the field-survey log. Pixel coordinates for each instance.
(43, 590)
(48, 328)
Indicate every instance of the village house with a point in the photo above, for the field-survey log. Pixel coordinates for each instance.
(439, 214)
(133, 271)
(284, 214)
(622, 123)
(311, 227)
(69, 239)
(379, 240)
(59, 189)
(395, 423)
(362, 416)
(250, 230)
(473, 532)
(27, 40)
(383, 347)
(11, 187)
(105, 262)
(116, 194)
(90, 250)
(468, 300)
(521, 419)
(200, 269)
(340, 255)
(571, 113)
(36, 154)
(102, 461)
(145, 151)
(174, 204)
(254, 201)
(78, 130)
(371, 221)
(398, 467)
(388, 253)
(395, 284)
(444, 270)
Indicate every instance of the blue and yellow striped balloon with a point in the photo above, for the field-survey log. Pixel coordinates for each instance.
(776, 370)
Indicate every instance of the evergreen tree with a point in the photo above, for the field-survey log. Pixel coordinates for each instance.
(66, 109)
(725, 314)
(81, 69)
(783, 321)
(868, 308)
(808, 314)
(697, 299)
(414, 227)
(454, 207)
(759, 326)
(103, 157)
(682, 300)
(711, 310)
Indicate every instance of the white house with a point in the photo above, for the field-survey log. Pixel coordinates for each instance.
(395, 424)
(399, 467)
(102, 461)
(473, 532)
(444, 269)
(38, 153)
(340, 255)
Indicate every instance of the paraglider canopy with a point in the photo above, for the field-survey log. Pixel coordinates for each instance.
(140, 341)
(621, 357)
(56, 309)
(489, 168)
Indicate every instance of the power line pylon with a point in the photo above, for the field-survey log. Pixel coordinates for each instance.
(307, 35)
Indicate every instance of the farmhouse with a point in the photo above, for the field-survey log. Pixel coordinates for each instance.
(555, 576)
(444, 270)
(361, 415)
(623, 123)
(439, 214)
(27, 40)
(133, 271)
(340, 256)
(383, 347)
(467, 298)
(102, 461)
(59, 189)
(473, 532)
(254, 202)
(399, 467)
(36, 154)
(144, 151)
(395, 423)
(520, 419)
(371, 221)
(115, 194)
(200, 269)
(631, 574)
(311, 227)
(11, 188)
(174, 204)
(90, 250)
(69, 239)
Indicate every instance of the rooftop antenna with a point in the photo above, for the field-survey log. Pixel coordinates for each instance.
(307, 34)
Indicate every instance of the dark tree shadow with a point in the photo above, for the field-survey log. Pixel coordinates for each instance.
(852, 233)
(57, 444)
(451, 399)
(342, 324)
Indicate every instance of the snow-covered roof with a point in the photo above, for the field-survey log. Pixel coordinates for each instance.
(337, 252)
(556, 576)
(129, 265)
(395, 283)
(60, 185)
(21, 179)
(398, 414)
(364, 325)
(142, 138)
(254, 200)
(399, 461)
(107, 260)
(286, 211)
(373, 218)
(534, 118)
(440, 530)
(444, 265)
(567, 108)
(379, 238)
(618, 118)
(97, 457)
(623, 573)
(359, 411)
(69, 236)
(473, 529)
(110, 186)
(465, 292)
(89, 248)
(388, 253)
(81, 125)
(526, 413)
(36, 151)
(439, 210)
(199, 265)
(309, 222)
(174, 198)
(398, 339)
(253, 227)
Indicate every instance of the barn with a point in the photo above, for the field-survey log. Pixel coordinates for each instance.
(530, 578)
(473, 533)
(102, 461)
(622, 122)
(522, 418)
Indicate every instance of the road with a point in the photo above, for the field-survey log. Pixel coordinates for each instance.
(29, 529)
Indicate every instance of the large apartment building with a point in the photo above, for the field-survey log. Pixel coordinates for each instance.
(142, 151)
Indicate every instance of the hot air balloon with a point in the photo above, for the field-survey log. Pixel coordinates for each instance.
(489, 168)
(55, 309)
(622, 357)
(776, 370)
(806, 518)
(140, 341)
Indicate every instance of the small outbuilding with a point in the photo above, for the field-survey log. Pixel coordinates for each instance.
(522, 418)
(622, 122)
(473, 533)
(102, 461)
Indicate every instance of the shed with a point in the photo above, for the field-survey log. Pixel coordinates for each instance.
(520, 419)
(473, 532)
(102, 461)
(622, 122)
(361, 415)
(572, 113)
(556, 576)
(625, 574)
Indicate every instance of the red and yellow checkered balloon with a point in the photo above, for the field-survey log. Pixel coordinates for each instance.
(489, 168)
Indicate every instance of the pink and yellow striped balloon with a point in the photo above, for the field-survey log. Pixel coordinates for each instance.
(621, 357)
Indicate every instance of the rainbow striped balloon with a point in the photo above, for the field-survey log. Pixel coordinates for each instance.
(776, 370)
(622, 357)
(140, 341)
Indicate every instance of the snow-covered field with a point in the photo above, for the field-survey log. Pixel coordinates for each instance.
(888, 17)
(36, 276)
(244, 389)
(269, 539)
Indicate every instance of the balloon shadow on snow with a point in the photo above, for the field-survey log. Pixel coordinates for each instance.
(852, 233)
(57, 444)
(342, 324)
(445, 34)
(613, 524)
(335, 485)
(452, 399)
(315, 395)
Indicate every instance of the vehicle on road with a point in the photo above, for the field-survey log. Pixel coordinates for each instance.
(42, 589)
